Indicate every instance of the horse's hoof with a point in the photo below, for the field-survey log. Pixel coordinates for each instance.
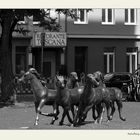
(95, 122)
(75, 124)
(60, 123)
(70, 124)
(35, 124)
(111, 117)
(107, 121)
(123, 119)
(52, 123)
(100, 121)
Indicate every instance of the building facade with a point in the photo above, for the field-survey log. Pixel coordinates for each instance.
(99, 39)
(104, 39)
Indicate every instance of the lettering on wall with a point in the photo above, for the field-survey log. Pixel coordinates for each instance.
(51, 39)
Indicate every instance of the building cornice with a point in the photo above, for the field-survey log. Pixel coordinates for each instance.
(104, 36)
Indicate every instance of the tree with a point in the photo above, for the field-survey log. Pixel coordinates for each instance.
(8, 20)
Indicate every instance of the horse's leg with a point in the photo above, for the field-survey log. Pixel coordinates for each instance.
(100, 112)
(84, 114)
(38, 107)
(120, 105)
(94, 112)
(108, 110)
(73, 111)
(112, 110)
(41, 104)
(37, 114)
(69, 118)
(77, 112)
(63, 116)
(55, 113)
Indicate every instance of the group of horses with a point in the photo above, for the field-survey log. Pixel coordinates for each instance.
(71, 96)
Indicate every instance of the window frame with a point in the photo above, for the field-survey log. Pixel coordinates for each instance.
(78, 21)
(129, 17)
(130, 55)
(106, 22)
(108, 54)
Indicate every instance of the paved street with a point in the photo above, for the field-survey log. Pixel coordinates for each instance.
(22, 116)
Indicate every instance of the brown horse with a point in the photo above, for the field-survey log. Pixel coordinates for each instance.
(72, 81)
(115, 95)
(42, 95)
(91, 97)
(66, 98)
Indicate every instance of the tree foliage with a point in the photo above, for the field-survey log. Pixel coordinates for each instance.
(9, 18)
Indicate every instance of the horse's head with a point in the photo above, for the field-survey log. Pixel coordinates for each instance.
(27, 76)
(73, 75)
(34, 71)
(73, 80)
(60, 82)
(90, 80)
(99, 77)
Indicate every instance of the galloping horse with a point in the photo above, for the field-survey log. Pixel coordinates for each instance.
(91, 97)
(42, 95)
(67, 98)
(115, 95)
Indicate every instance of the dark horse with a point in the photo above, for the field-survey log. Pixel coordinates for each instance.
(66, 98)
(42, 95)
(115, 95)
(91, 97)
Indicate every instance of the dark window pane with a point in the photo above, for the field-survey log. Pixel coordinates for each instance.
(126, 15)
(110, 63)
(129, 50)
(82, 15)
(103, 15)
(109, 15)
(127, 63)
(76, 13)
(109, 49)
(105, 63)
(132, 15)
(36, 18)
(133, 63)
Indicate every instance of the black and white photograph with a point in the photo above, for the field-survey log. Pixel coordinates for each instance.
(70, 68)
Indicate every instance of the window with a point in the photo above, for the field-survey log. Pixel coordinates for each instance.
(36, 20)
(22, 20)
(131, 55)
(130, 16)
(109, 59)
(107, 16)
(81, 16)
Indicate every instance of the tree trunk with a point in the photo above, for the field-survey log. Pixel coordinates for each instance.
(6, 59)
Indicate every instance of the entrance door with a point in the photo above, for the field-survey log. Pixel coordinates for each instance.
(80, 59)
(47, 69)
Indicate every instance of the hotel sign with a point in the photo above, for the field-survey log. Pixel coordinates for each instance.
(52, 39)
